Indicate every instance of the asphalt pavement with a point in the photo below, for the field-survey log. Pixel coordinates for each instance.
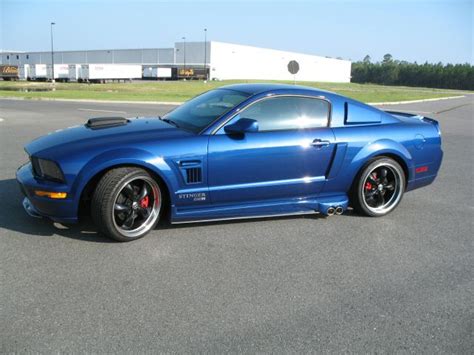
(401, 283)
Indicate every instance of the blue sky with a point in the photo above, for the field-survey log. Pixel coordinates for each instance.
(419, 30)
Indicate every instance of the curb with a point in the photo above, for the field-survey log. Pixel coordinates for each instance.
(414, 101)
(171, 103)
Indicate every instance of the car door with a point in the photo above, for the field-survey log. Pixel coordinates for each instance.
(287, 157)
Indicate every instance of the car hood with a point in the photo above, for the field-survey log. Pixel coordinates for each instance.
(81, 137)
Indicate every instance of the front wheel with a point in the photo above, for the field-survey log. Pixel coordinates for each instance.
(379, 187)
(126, 204)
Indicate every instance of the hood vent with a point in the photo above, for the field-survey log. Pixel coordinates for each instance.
(106, 122)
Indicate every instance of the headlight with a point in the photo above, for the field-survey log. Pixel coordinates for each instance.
(47, 169)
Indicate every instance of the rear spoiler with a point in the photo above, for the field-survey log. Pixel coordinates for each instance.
(404, 114)
(421, 118)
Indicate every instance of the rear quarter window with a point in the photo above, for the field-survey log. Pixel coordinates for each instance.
(360, 114)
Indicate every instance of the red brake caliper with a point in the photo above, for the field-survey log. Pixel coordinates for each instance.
(368, 185)
(144, 202)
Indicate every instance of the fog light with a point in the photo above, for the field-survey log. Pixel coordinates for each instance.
(55, 195)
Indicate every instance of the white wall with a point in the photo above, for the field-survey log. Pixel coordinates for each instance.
(233, 61)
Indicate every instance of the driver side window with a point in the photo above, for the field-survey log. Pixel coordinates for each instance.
(288, 113)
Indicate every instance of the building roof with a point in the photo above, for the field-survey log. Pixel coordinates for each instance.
(7, 51)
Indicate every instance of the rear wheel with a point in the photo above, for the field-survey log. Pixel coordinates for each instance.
(379, 187)
(126, 204)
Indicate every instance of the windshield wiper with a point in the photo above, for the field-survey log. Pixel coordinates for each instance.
(171, 122)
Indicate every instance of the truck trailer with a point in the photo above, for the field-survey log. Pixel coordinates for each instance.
(101, 73)
(73, 72)
(158, 73)
(24, 72)
(61, 72)
(38, 72)
(9, 72)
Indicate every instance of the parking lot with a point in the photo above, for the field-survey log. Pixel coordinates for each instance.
(402, 283)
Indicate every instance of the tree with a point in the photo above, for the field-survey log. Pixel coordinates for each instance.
(387, 58)
(395, 72)
(367, 59)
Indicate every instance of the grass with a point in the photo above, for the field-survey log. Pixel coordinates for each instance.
(178, 91)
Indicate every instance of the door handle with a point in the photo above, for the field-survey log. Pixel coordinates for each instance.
(319, 143)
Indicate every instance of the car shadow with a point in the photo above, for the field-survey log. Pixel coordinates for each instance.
(14, 218)
(167, 225)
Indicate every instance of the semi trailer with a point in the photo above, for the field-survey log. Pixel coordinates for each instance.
(61, 72)
(38, 72)
(73, 72)
(9, 72)
(158, 73)
(24, 72)
(101, 73)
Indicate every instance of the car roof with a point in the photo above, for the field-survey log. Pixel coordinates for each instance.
(259, 88)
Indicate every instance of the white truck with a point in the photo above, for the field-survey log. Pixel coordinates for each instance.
(61, 72)
(154, 72)
(38, 72)
(101, 73)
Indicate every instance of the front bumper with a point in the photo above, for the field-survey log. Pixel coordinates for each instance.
(30, 209)
(63, 211)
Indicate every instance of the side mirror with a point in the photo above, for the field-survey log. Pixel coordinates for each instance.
(244, 125)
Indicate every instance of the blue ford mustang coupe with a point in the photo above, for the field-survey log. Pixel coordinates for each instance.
(240, 151)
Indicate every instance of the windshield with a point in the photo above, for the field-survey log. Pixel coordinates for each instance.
(201, 111)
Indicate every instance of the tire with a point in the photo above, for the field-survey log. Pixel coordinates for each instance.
(379, 187)
(126, 204)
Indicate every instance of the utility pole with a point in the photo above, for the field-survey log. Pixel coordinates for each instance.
(52, 53)
(184, 54)
(205, 54)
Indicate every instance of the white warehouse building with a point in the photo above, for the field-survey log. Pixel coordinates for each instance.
(221, 61)
(233, 61)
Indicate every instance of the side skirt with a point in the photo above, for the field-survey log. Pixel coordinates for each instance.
(259, 209)
(246, 217)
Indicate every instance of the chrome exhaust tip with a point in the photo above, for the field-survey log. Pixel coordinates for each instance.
(339, 210)
(330, 211)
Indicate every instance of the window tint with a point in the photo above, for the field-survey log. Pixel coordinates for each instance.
(204, 109)
(287, 112)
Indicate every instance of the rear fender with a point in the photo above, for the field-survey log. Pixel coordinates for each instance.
(383, 147)
(356, 158)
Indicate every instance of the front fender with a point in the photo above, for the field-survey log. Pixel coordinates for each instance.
(117, 157)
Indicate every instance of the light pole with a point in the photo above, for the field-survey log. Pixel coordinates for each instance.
(205, 54)
(52, 53)
(184, 54)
